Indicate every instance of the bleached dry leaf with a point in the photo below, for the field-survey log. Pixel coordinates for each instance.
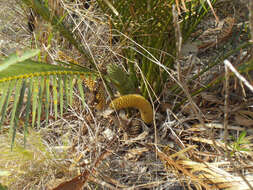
(202, 140)
(108, 133)
(207, 141)
(138, 138)
(181, 152)
(135, 152)
(216, 126)
(107, 112)
(215, 175)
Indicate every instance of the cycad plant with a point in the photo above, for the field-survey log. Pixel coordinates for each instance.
(147, 36)
(30, 89)
(31, 85)
(147, 30)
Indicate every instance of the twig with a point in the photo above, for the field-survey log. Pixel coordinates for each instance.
(251, 19)
(226, 108)
(178, 34)
(239, 76)
(211, 7)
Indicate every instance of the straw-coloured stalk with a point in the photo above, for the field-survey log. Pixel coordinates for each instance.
(134, 101)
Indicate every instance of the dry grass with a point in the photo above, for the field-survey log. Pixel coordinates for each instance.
(91, 149)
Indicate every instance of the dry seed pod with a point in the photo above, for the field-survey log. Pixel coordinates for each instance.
(134, 101)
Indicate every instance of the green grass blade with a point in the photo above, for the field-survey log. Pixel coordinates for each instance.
(21, 100)
(47, 99)
(61, 95)
(3, 187)
(11, 87)
(66, 88)
(71, 88)
(14, 107)
(17, 57)
(18, 110)
(14, 129)
(55, 97)
(34, 99)
(80, 88)
(30, 69)
(4, 94)
(28, 109)
(40, 101)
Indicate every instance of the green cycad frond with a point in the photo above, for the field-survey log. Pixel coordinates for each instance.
(41, 9)
(27, 87)
(121, 80)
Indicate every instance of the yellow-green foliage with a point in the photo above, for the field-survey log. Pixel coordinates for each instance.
(24, 167)
(121, 80)
(134, 101)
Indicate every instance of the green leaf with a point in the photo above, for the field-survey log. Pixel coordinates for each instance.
(66, 88)
(1, 186)
(55, 97)
(242, 136)
(80, 88)
(4, 173)
(244, 149)
(28, 84)
(121, 80)
(47, 100)
(29, 69)
(40, 100)
(11, 87)
(17, 57)
(27, 111)
(19, 97)
(71, 87)
(34, 99)
(61, 95)
(17, 94)
(3, 95)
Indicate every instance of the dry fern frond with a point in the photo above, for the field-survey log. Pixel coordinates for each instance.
(135, 101)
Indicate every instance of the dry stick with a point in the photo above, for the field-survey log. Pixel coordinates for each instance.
(211, 7)
(226, 108)
(242, 79)
(178, 34)
(239, 76)
(178, 7)
(251, 19)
